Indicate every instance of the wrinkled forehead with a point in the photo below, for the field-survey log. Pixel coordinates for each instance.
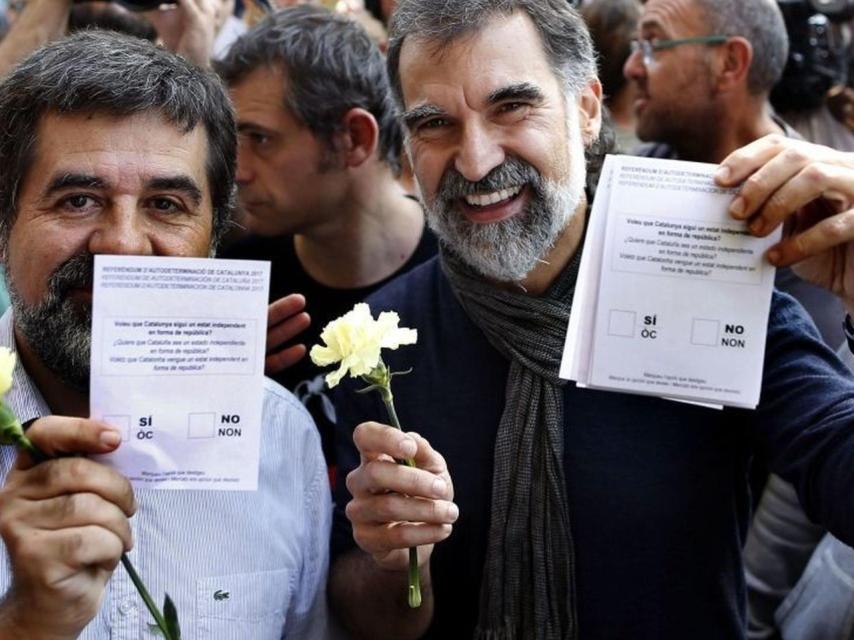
(504, 51)
(672, 18)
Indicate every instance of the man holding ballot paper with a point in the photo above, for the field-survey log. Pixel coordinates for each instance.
(112, 146)
(558, 511)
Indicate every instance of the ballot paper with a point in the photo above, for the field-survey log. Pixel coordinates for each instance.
(673, 294)
(177, 367)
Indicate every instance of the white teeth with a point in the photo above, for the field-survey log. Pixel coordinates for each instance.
(486, 199)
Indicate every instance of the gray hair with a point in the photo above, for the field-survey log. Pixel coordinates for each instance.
(331, 66)
(760, 22)
(566, 42)
(101, 72)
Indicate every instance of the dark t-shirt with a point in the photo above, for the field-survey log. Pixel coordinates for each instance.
(657, 489)
(323, 304)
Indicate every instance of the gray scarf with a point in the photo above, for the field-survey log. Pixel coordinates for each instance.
(528, 586)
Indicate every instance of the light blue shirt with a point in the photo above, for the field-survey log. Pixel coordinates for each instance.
(238, 565)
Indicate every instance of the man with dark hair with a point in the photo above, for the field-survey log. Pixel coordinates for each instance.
(317, 166)
(576, 513)
(110, 145)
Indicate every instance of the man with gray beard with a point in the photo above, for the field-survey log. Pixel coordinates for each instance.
(110, 145)
(575, 513)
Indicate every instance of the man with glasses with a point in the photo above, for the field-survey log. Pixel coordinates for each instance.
(703, 70)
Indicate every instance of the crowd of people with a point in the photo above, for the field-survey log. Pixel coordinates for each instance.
(437, 159)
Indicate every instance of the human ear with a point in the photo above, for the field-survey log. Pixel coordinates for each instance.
(732, 64)
(590, 112)
(360, 133)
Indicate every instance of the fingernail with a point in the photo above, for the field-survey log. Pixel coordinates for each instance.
(737, 207)
(110, 438)
(439, 487)
(723, 173)
(773, 256)
(453, 512)
(757, 226)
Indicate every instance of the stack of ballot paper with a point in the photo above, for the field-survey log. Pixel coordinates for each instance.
(673, 294)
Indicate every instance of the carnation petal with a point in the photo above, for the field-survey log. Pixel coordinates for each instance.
(7, 369)
(323, 356)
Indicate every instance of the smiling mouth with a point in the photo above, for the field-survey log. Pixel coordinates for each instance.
(491, 198)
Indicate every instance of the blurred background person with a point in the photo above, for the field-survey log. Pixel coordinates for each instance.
(613, 24)
(317, 176)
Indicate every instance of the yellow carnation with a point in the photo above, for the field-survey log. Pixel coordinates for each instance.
(7, 368)
(355, 339)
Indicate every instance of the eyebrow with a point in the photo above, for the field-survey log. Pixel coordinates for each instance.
(73, 180)
(518, 91)
(416, 114)
(243, 127)
(180, 183)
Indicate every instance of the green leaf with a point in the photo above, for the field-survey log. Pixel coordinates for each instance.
(170, 614)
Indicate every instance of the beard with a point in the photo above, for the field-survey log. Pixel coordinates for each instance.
(508, 250)
(56, 329)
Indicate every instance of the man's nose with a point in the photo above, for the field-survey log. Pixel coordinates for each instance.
(634, 68)
(479, 152)
(121, 230)
(244, 173)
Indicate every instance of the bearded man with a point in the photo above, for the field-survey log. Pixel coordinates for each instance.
(110, 145)
(575, 512)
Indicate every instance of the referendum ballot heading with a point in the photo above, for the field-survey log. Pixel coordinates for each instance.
(673, 294)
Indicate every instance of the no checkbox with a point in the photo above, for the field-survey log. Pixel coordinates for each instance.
(705, 332)
(202, 425)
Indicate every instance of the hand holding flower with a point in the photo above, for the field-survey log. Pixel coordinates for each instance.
(394, 506)
(64, 522)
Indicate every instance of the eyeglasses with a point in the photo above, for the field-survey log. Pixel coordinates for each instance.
(649, 47)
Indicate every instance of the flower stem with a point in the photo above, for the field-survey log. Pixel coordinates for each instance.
(146, 598)
(414, 594)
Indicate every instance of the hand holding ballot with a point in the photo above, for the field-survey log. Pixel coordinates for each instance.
(65, 524)
(810, 189)
(673, 295)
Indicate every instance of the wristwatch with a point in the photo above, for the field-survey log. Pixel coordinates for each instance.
(848, 328)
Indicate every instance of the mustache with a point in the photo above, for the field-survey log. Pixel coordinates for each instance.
(512, 172)
(75, 273)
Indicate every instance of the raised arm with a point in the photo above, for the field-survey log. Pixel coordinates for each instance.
(40, 22)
